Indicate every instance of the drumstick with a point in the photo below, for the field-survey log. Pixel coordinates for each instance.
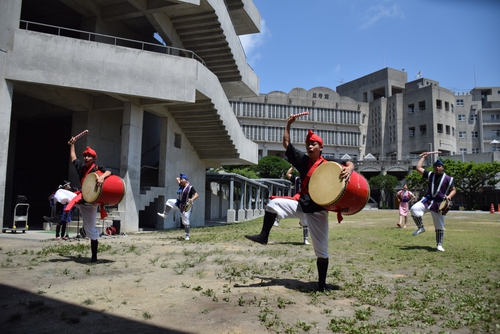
(81, 134)
(433, 152)
(300, 114)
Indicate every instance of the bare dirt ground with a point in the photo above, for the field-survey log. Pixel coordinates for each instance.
(147, 283)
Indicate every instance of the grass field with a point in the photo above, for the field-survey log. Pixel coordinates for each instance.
(392, 279)
(385, 280)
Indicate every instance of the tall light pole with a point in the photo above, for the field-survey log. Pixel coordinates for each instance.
(430, 158)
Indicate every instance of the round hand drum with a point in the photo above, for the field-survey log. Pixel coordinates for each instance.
(335, 194)
(445, 206)
(111, 192)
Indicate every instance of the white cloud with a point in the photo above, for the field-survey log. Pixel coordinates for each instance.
(379, 12)
(251, 43)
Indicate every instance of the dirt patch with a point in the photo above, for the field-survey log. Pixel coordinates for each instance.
(153, 283)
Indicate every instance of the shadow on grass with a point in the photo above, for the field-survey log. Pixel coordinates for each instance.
(427, 248)
(288, 283)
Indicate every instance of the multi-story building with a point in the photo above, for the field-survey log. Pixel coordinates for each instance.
(150, 80)
(405, 118)
(340, 121)
(478, 120)
(379, 116)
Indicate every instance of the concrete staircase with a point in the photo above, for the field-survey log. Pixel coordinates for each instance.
(148, 195)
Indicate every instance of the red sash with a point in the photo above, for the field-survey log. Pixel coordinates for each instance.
(305, 181)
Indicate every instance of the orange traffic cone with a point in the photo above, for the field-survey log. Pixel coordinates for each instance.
(492, 208)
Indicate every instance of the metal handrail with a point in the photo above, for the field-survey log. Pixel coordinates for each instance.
(168, 49)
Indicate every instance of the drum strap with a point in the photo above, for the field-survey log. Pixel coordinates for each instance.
(303, 188)
(86, 172)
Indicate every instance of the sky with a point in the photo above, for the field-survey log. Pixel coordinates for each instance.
(313, 43)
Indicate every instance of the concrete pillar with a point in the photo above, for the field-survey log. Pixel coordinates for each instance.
(10, 14)
(130, 166)
(231, 213)
(6, 92)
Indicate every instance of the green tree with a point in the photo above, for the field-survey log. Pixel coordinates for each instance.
(385, 183)
(470, 178)
(417, 184)
(272, 167)
(243, 170)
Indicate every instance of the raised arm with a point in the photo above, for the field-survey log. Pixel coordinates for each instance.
(286, 134)
(72, 153)
(420, 165)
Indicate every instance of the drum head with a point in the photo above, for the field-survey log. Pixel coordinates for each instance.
(325, 186)
(443, 204)
(90, 192)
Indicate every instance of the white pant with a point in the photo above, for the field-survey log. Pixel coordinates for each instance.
(184, 215)
(317, 222)
(89, 216)
(419, 209)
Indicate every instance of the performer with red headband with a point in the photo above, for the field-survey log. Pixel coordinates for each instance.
(88, 210)
(301, 205)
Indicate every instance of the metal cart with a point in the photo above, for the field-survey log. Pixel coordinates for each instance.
(20, 216)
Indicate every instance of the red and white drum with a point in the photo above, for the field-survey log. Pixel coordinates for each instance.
(111, 192)
(329, 190)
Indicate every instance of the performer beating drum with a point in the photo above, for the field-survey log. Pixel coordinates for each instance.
(440, 188)
(302, 206)
(88, 210)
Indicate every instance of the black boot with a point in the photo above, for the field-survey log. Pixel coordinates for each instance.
(93, 247)
(322, 265)
(261, 238)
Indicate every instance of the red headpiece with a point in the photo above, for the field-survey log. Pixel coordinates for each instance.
(311, 136)
(90, 151)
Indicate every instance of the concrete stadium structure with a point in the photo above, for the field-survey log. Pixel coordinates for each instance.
(150, 80)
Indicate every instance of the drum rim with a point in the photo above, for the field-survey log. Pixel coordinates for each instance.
(444, 204)
(341, 193)
(99, 192)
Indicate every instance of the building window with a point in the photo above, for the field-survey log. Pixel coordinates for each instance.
(447, 106)
(452, 131)
(411, 108)
(495, 117)
(452, 108)
(474, 134)
(411, 131)
(460, 102)
(495, 133)
(439, 104)
(462, 134)
(440, 128)
(461, 117)
(177, 140)
(423, 129)
(473, 117)
(463, 150)
(447, 129)
(476, 150)
(421, 105)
